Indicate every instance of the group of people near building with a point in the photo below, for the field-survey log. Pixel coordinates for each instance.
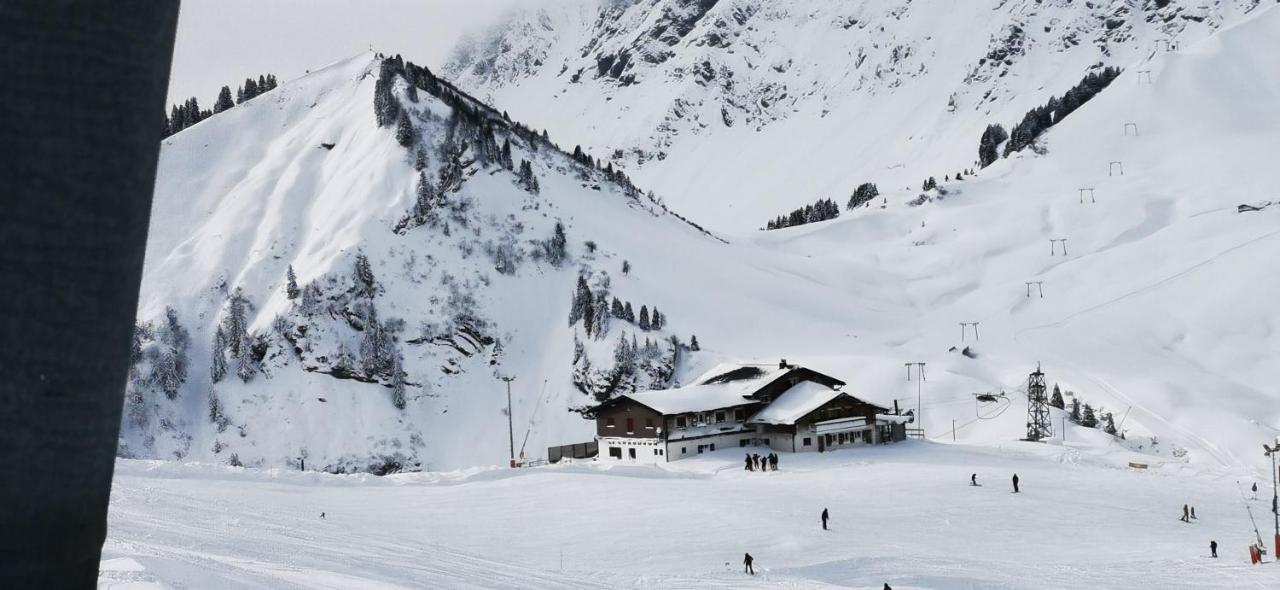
(766, 463)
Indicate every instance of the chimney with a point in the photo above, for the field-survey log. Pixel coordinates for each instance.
(782, 364)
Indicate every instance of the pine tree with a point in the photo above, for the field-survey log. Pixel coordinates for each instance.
(405, 133)
(398, 377)
(224, 100)
(988, 146)
(170, 368)
(628, 315)
(1056, 400)
(600, 311)
(644, 318)
(310, 299)
(557, 246)
(616, 310)
(218, 363)
(236, 323)
(1087, 418)
(656, 320)
(693, 343)
(863, 194)
(1075, 410)
(427, 199)
(365, 284)
(291, 284)
(247, 364)
(1109, 424)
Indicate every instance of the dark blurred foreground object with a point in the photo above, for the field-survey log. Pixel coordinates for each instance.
(80, 111)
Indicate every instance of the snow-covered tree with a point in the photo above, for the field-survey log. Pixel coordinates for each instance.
(863, 194)
(644, 318)
(1075, 410)
(291, 284)
(218, 362)
(693, 343)
(365, 284)
(224, 100)
(1109, 424)
(988, 146)
(1056, 401)
(1087, 417)
(406, 135)
(556, 247)
(169, 370)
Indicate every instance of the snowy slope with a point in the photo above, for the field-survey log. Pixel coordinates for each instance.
(901, 515)
(1159, 316)
(1162, 309)
(246, 195)
(739, 110)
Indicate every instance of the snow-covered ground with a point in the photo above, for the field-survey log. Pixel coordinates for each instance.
(1162, 314)
(901, 514)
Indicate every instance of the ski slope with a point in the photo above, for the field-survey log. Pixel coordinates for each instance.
(903, 515)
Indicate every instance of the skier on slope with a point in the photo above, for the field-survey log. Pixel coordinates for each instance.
(1255, 490)
(1015, 483)
(746, 561)
(748, 467)
(1186, 515)
(1213, 549)
(973, 479)
(825, 516)
(1193, 513)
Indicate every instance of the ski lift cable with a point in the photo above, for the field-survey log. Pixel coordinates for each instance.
(1261, 545)
(531, 416)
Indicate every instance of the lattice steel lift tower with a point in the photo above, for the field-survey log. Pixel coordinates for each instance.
(1039, 427)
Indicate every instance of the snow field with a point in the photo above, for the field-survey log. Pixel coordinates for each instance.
(901, 514)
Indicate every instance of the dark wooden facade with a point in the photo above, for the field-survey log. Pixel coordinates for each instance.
(626, 418)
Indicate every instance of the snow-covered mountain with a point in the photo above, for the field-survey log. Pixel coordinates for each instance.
(341, 270)
(738, 110)
(1159, 314)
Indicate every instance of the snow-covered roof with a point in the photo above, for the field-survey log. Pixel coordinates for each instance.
(795, 403)
(757, 374)
(694, 398)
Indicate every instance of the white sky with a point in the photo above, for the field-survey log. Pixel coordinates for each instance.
(225, 41)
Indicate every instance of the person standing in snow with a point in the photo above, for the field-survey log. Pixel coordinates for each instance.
(1015, 483)
(746, 561)
(825, 516)
(1255, 490)
(973, 479)
(1193, 513)
(1186, 516)
(1213, 548)
(748, 467)
(773, 461)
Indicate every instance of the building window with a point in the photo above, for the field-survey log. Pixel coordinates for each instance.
(648, 423)
(631, 425)
(681, 422)
(808, 441)
(740, 414)
(609, 422)
(720, 417)
(631, 452)
(743, 442)
(615, 452)
(711, 447)
(682, 450)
